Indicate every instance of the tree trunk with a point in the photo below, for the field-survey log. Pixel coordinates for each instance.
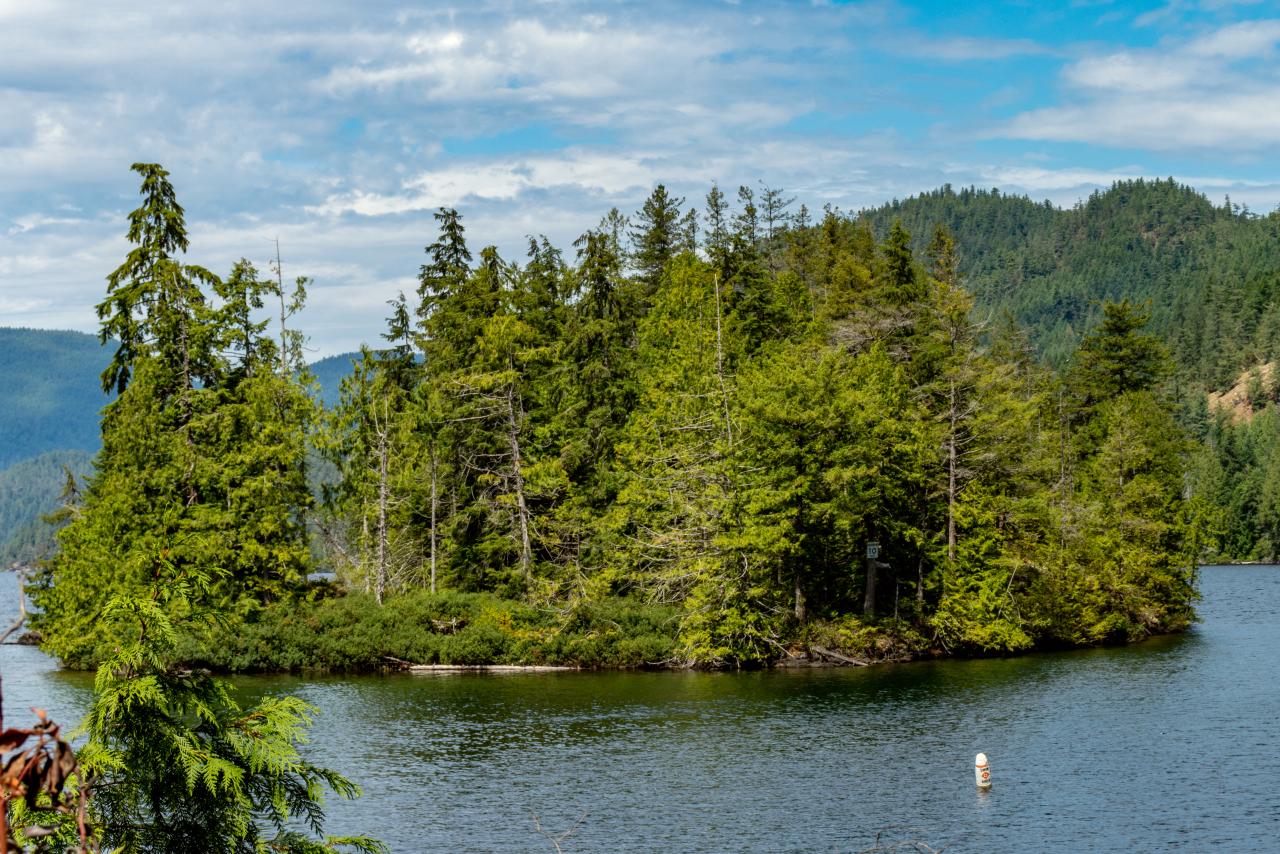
(920, 586)
(799, 599)
(435, 508)
(284, 337)
(187, 416)
(724, 390)
(364, 544)
(380, 585)
(952, 478)
(513, 436)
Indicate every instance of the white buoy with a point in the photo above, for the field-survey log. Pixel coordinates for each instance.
(981, 773)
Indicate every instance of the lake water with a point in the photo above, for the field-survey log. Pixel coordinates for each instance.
(1173, 744)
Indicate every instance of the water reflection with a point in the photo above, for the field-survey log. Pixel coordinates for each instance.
(1090, 750)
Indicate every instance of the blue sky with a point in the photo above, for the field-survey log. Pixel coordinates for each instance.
(339, 127)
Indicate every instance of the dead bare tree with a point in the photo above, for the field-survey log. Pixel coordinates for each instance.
(561, 837)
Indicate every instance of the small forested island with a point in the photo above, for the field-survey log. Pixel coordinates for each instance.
(731, 437)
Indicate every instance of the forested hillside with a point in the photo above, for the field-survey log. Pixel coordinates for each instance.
(329, 373)
(1211, 272)
(29, 490)
(50, 396)
(1210, 275)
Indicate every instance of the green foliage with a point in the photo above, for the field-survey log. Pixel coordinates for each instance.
(1116, 358)
(1235, 487)
(351, 633)
(717, 429)
(1206, 275)
(175, 764)
(657, 236)
(203, 452)
(867, 640)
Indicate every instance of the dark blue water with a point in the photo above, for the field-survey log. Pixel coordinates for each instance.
(1173, 744)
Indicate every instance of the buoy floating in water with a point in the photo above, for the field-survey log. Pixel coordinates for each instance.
(981, 773)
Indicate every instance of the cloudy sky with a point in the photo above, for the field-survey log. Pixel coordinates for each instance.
(339, 127)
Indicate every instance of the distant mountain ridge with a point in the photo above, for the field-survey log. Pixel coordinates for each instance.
(51, 399)
(28, 490)
(50, 392)
(329, 373)
(1211, 272)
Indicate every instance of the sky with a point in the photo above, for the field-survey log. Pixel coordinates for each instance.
(338, 128)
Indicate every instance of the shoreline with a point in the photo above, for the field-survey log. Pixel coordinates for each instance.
(811, 660)
(826, 660)
(462, 633)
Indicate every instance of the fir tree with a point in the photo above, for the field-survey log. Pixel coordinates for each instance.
(657, 234)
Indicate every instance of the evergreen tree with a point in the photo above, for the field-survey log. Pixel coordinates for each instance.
(1118, 357)
(657, 235)
(448, 266)
(204, 449)
(674, 531)
(191, 518)
(828, 445)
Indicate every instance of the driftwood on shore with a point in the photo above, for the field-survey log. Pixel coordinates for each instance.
(487, 668)
(832, 655)
(410, 667)
(818, 656)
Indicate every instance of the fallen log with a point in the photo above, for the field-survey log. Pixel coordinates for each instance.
(835, 656)
(488, 668)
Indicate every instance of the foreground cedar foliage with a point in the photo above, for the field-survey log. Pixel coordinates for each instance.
(174, 763)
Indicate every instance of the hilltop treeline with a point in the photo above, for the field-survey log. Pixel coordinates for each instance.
(715, 412)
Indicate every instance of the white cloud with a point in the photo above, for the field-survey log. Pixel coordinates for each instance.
(1220, 90)
(1036, 180)
(33, 221)
(1246, 121)
(530, 60)
(963, 48)
(340, 126)
(593, 173)
(1238, 41)
(21, 305)
(1131, 73)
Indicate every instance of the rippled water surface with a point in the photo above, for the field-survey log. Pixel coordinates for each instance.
(1173, 744)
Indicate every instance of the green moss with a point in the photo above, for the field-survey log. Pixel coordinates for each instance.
(865, 639)
(352, 633)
